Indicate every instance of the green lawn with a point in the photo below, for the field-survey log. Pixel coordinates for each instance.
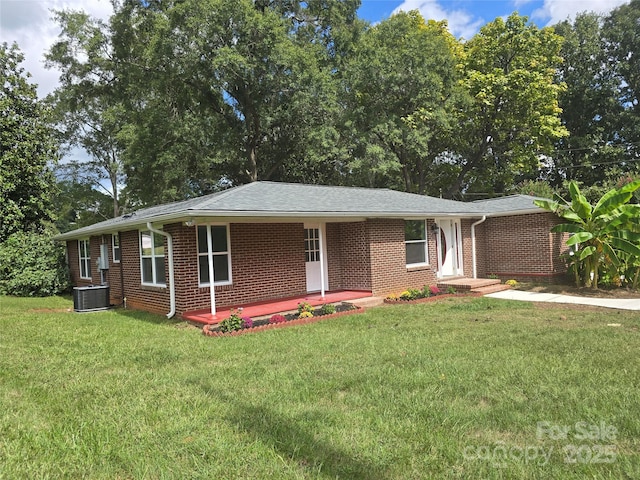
(455, 389)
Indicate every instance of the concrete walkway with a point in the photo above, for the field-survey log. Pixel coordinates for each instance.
(619, 303)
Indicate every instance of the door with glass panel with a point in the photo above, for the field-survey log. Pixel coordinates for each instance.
(449, 246)
(313, 242)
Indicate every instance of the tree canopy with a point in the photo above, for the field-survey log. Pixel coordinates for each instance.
(27, 150)
(402, 87)
(177, 99)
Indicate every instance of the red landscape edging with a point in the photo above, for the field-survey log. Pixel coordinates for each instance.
(298, 321)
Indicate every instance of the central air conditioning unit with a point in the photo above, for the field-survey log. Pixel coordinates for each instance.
(91, 298)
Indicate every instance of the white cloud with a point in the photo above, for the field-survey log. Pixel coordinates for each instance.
(559, 10)
(461, 23)
(29, 24)
(520, 3)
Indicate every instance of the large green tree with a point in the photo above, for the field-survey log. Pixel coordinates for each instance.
(514, 117)
(27, 150)
(227, 89)
(590, 105)
(621, 31)
(88, 105)
(402, 87)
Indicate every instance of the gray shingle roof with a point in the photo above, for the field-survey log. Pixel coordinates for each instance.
(288, 200)
(512, 204)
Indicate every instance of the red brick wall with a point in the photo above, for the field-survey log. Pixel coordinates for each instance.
(349, 261)
(73, 262)
(334, 256)
(481, 251)
(267, 262)
(467, 248)
(111, 276)
(520, 247)
(142, 297)
(389, 273)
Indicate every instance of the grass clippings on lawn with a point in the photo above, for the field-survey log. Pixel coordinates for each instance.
(463, 388)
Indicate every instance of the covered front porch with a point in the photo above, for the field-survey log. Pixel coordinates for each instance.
(270, 307)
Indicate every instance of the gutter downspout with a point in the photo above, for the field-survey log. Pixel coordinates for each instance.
(172, 285)
(473, 244)
(124, 295)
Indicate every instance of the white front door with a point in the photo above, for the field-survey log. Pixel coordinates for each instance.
(315, 258)
(449, 246)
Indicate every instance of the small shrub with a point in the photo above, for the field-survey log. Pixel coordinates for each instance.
(247, 322)
(232, 323)
(305, 314)
(327, 309)
(492, 276)
(411, 294)
(511, 283)
(426, 292)
(277, 318)
(451, 290)
(434, 290)
(304, 307)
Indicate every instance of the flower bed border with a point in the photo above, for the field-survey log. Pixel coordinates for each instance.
(432, 298)
(206, 330)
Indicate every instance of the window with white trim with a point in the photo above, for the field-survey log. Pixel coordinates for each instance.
(115, 247)
(221, 254)
(84, 252)
(415, 241)
(152, 265)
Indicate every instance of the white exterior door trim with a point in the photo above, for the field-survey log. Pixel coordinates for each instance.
(449, 247)
(317, 273)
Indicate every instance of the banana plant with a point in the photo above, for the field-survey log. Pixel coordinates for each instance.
(606, 234)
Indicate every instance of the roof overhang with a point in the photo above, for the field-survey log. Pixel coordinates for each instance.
(250, 217)
(516, 212)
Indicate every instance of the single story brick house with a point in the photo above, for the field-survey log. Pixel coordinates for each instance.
(267, 240)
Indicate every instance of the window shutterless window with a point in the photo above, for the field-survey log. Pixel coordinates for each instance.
(415, 240)
(152, 267)
(115, 247)
(84, 252)
(221, 254)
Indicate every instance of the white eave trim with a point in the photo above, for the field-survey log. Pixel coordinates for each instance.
(274, 217)
(513, 213)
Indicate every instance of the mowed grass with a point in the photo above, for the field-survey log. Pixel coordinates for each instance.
(453, 389)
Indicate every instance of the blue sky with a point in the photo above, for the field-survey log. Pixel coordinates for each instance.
(465, 17)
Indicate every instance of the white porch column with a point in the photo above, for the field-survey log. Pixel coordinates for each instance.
(321, 239)
(212, 289)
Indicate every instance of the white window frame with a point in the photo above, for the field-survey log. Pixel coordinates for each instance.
(115, 237)
(206, 254)
(153, 258)
(424, 241)
(86, 259)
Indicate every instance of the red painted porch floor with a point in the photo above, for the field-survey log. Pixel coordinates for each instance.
(262, 309)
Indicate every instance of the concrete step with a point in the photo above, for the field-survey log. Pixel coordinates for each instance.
(367, 302)
(467, 283)
(491, 289)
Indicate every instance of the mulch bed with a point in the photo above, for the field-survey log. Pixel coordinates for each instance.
(291, 320)
(432, 298)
